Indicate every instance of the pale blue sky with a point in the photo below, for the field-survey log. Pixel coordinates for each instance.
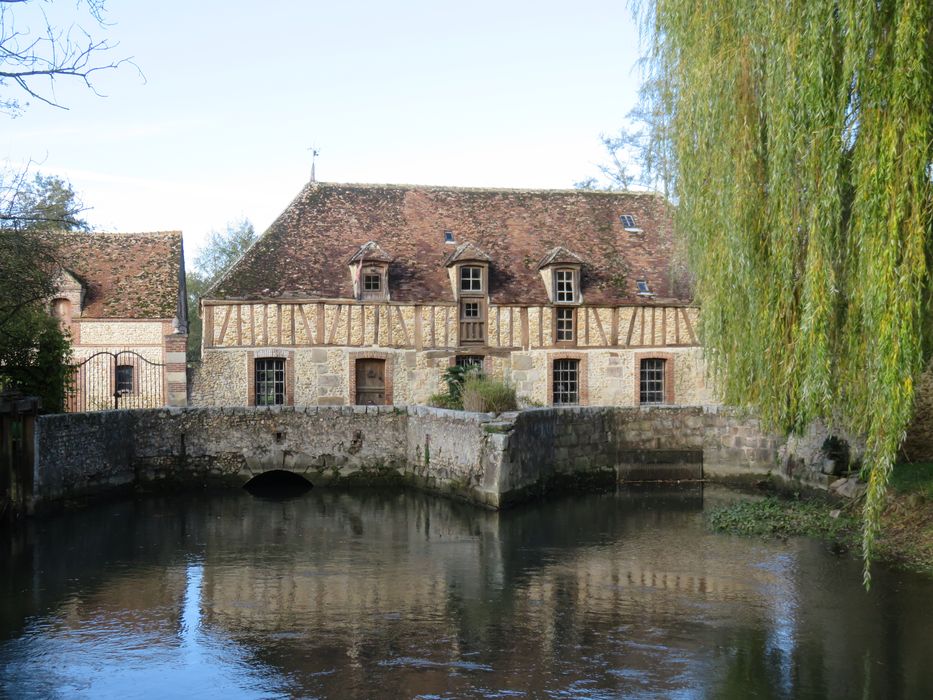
(499, 94)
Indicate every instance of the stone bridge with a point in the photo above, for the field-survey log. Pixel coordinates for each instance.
(484, 458)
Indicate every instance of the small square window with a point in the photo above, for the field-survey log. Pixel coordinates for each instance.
(448, 236)
(628, 221)
(471, 309)
(471, 279)
(566, 382)
(124, 379)
(564, 291)
(563, 323)
(651, 388)
(372, 283)
(643, 287)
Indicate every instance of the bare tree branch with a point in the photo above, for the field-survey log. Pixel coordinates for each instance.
(32, 59)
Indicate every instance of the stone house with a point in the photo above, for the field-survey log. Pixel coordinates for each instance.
(364, 294)
(122, 298)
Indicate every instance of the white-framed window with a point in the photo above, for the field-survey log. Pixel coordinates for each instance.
(643, 288)
(471, 279)
(565, 287)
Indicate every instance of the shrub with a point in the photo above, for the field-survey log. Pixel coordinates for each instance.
(488, 395)
(445, 400)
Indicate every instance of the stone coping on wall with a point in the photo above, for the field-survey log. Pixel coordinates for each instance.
(490, 459)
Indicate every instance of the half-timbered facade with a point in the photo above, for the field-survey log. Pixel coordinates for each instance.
(362, 294)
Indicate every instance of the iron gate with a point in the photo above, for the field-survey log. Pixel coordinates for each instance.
(110, 380)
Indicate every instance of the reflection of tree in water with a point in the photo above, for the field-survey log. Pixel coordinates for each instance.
(344, 592)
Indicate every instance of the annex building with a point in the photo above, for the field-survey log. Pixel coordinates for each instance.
(122, 298)
(364, 294)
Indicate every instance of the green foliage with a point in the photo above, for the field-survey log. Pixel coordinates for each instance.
(445, 400)
(46, 203)
(35, 355)
(223, 248)
(488, 395)
(780, 517)
(803, 138)
(34, 351)
(454, 377)
(915, 478)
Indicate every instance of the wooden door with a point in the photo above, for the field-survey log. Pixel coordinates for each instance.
(370, 382)
(472, 321)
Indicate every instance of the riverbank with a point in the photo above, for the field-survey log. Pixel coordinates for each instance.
(906, 539)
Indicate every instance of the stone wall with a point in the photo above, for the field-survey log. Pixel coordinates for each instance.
(324, 376)
(487, 459)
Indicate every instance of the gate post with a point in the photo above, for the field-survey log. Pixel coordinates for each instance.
(176, 369)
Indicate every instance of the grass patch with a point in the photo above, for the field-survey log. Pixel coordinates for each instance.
(781, 517)
(908, 479)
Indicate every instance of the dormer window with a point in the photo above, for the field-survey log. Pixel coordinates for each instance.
(565, 286)
(471, 279)
(369, 272)
(560, 272)
(372, 283)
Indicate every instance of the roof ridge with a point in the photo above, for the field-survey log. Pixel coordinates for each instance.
(468, 188)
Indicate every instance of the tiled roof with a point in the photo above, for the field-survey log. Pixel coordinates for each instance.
(125, 275)
(303, 254)
(370, 252)
(466, 252)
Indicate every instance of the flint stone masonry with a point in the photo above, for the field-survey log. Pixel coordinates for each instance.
(488, 459)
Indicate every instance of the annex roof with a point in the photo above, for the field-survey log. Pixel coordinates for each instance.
(126, 275)
(302, 253)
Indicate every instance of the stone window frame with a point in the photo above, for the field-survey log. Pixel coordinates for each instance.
(583, 389)
(389, 358)
(669, 397)
(288, 356)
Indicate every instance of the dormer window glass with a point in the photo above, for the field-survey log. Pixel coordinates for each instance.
(643, 288)
(564, 287)
(372, 283)
(471, 279)
(628, 221)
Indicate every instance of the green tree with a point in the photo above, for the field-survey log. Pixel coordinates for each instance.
(223, 248)
(34, 351)
(803, 140)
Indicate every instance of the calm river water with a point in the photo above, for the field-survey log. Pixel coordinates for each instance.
(398, 594)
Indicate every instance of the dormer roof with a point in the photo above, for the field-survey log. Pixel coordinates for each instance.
(466, 252)
(559, 256)
(370, 252)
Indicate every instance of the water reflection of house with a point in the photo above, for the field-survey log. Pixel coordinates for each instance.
(365, 293)
(122, 298)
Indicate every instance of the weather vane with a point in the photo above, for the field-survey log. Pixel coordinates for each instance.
(314, 154)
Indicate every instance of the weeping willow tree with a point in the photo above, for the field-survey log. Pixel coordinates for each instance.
(802, 134)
